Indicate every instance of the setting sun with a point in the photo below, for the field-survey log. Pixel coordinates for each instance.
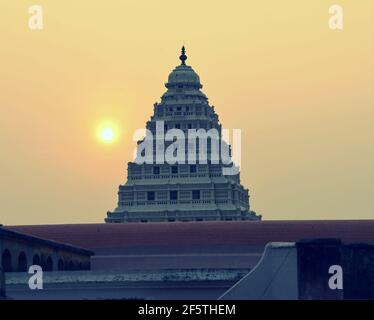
(107, 135)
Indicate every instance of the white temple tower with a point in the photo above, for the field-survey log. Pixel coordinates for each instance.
(182, 191)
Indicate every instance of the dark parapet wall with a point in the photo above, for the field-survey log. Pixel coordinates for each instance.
(2, 284)
(358, 264)
(315, 257)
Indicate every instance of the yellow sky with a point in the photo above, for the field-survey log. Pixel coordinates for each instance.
(301, 93)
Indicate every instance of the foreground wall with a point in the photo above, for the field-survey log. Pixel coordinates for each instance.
(321, 269)
(19, 251)
(286, 271)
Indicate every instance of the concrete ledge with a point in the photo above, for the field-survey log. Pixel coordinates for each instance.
(182, 275)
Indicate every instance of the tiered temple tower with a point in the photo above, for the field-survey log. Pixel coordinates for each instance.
(182, 191)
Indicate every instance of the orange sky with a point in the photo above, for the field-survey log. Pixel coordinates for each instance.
(301, 93)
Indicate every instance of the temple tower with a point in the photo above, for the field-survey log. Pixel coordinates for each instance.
(200, 191)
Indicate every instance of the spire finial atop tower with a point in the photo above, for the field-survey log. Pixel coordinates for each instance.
(183, 56)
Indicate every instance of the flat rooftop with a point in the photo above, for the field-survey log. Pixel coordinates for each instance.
(228, 233)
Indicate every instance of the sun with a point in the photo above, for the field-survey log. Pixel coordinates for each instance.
(107, 131)
(107, 135)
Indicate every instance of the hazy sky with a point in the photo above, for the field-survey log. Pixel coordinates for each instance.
(301, 93)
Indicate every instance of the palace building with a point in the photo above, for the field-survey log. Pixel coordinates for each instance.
(183, 191)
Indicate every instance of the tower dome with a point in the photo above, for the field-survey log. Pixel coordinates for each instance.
(183, 75)
(183, 84)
